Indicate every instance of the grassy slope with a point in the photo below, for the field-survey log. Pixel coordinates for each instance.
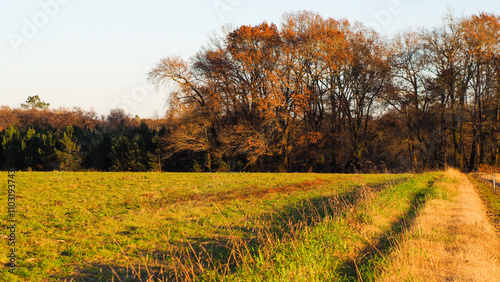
(349, 245)
(91, 225)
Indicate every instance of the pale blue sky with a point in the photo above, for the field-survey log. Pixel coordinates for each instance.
(96, 54)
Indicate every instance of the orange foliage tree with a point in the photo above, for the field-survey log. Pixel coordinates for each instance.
(262, 94)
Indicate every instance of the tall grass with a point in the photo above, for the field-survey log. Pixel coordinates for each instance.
(345, 236)
(140, 226)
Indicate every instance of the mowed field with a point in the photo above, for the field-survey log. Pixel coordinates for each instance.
(218, 226)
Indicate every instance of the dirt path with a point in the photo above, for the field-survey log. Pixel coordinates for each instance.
(452, 240)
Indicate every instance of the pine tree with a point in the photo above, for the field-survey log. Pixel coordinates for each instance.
(31, 144)
(68, 156)
(120, 153)
(34, 102)
(47, 151)
(11, 144)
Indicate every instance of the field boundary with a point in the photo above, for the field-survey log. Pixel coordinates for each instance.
(489, 178)
(489, 198)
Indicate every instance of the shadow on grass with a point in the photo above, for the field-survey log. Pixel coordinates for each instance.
(312, 211)
(365, 267)
(192, 258)
(292, 219)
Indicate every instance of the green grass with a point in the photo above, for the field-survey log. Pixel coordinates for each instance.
(345, 246)
(96, 226)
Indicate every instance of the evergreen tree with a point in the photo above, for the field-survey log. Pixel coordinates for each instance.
(47, 151)
(68, 156)
(128, 155)
(11, 144)
(31, 144)
(120, 153)
(138, 154)
(98, 151)
(34, 102)
(154, 158)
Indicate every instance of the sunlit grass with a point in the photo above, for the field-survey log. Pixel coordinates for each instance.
(452, 238)
(100, 225)
(218, 226)
(350, 245)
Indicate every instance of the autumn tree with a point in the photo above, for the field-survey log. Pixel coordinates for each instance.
(310, 94)
(8, 117)
(451, 65)
(481, 40)
(409, 62)
(314, 50)
(252, 92)
(259, 92)
(358, 87)
(117, 120)
(189, 97)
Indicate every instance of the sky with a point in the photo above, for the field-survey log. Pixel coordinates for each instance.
(95, 54)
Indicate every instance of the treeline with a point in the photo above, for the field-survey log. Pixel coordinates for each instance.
(325, 95)
(35, 138)
(313, 94)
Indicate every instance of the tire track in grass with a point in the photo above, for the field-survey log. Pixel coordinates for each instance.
(242, 193)
(294, 231)
(286, 224)
(223, 256)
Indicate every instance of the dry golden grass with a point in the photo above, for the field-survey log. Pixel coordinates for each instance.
(451, 240)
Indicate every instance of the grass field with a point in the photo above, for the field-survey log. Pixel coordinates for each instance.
(175, 226)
